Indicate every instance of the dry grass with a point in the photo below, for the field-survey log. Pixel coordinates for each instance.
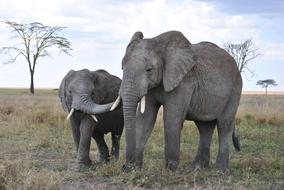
(262, 110)
(36, 150)
(262, 93)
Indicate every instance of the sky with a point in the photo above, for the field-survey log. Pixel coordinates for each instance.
(100, 30)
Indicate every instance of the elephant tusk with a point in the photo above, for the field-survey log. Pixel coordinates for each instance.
(115, 104)
(138, 104)
(143, 104)
(94, 117)
(70, 114)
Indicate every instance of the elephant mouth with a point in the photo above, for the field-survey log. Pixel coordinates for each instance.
(72, 111)
(141, 104)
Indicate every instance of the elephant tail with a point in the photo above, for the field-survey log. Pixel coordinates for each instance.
(236, 141)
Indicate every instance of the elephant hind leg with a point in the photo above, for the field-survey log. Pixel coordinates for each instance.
(102, 146)
(226, 126)
(202, 157)
(115, 145)
(225, 130)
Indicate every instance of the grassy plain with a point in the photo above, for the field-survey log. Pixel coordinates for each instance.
(36, 150)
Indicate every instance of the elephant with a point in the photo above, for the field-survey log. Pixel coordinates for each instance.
(83, 94)
(198, 82)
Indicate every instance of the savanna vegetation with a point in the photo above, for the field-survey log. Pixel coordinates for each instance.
(36, 150)
(34, 42)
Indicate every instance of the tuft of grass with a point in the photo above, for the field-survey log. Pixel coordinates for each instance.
(17, 175)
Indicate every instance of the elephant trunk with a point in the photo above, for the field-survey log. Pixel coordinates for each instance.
(129, 100)
(85, 104)
(129, 113)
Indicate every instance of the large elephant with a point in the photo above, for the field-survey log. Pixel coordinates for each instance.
(198, 82)
(80, 93)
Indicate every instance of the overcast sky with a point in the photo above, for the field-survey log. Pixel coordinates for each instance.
(100, 30)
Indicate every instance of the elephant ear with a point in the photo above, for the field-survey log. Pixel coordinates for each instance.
(179, 59)
(137, 36)
(100, 79)
(62, 90)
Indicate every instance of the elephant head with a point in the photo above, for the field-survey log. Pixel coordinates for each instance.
(163, 60)
(84, 91)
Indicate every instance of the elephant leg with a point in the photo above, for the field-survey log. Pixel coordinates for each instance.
(173, 124)
(144, 126)
(202, 157)
(75, 126)
(225, 127)
(115, 145)
(225, 130)
(86, 131)
(102, 146)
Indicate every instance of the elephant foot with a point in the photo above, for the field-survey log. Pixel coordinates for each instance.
(128, 168)
(86, 162)
(104, 160)
(115, 154)
(114, 157)
(197, 164)
(171, 165)
(84, 159)
(78, 166)
(222, 168)
(222, 164)
(192, 167)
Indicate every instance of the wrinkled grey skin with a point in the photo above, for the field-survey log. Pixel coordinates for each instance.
(80, 90)
(199, 82)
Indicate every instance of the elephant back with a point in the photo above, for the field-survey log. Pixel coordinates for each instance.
(216, 67)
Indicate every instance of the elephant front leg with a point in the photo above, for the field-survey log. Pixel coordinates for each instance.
(173, 123)
(144, 126)
(75, 126)
(86, 131)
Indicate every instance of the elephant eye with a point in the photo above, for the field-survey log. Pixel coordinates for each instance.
(149, 69)
(70, 91)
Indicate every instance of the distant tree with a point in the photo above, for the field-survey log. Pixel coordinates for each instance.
(35, 39)
(243, 53)
(266, 83)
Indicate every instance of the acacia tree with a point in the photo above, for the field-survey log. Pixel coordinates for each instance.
(243, 53)
(266, 83)
(35, 39)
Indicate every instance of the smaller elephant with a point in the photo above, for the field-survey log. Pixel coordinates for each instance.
(83, 94)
